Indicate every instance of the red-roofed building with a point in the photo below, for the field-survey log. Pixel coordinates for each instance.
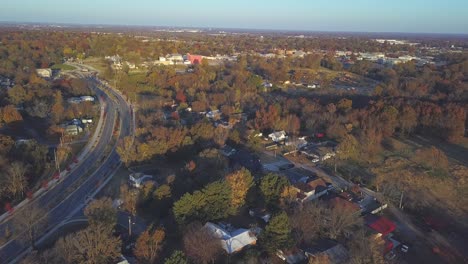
(343, 204)
(194, 59)
(380, 224)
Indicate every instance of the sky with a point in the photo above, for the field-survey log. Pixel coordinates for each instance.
(418, 16)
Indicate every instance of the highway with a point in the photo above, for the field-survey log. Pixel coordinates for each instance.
(66, 198)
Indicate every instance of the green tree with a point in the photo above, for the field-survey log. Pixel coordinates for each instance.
(271, 186)
(162, 192)
(177, 257)
(278, 233)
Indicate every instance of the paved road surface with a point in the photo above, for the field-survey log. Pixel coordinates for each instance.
(71, 193)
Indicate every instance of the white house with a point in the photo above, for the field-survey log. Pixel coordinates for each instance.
(235, 240)
(278, 136)
(138, 179)
(44, 73)
(213, 114)
(87, 98)
(73, 130)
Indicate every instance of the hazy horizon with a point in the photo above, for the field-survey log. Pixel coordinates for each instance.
(398, 16)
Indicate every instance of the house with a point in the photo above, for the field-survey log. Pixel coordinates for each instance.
(74, 100)
(232, 240)
(228, 151)
(261, 213)
(343, 205)
(247, 160)
(312, 189)
(291, 256)
(278, 136)
(87, 98)
(379, 224)
(194, 59)
(44, 73)
(335, 252)
(214, 114)
(73, 130)
(139, 179)
(175, 58)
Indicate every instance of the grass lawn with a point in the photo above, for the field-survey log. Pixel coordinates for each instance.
(63, 67)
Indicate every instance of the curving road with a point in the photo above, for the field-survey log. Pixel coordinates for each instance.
(69, 196)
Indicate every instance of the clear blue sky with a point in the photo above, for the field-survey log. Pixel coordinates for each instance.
(442, 16)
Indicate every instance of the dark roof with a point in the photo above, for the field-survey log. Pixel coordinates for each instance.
(335, 251)
(246, 159)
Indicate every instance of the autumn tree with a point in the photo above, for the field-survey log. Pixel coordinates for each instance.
(278, 234)
(57, 109)
(148, 245)
(102, 212)
(177, 257)
(92, 245)
(432, 159)
(126, 150)
(240, 182)
(9, 114)
(200, 245)
(129, 199)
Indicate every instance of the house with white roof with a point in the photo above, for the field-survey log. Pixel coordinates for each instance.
(232, 240)
(278, 136)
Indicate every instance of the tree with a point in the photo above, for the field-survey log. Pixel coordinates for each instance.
(127, 151)
(129, 199)
(30, 220)
(278, 234)
(306, 222)
(408, 120)
(162, 192)
(432, 159)
(200, 245)
(366, 250)
(240, 182)
(57, 109)
(9, 114)
(102, 212)
(348, 149)
(94, 245)
(271, 186)
(16, 183)
(341, 220)
(148, 245)
(177, 257)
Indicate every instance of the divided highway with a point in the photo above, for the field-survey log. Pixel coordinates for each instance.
(70, 195)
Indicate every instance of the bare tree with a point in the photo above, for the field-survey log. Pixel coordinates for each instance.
(307, 222)
(16, 182)
(200, 245)
(341, 220)
(30, 220)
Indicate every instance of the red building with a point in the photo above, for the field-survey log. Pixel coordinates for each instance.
(194, 59)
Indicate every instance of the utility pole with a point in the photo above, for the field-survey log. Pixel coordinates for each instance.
(401, 199)
(129, 225)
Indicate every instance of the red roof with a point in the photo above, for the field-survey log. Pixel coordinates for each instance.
(380, 224)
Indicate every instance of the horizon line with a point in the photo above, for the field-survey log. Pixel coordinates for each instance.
(229, 28)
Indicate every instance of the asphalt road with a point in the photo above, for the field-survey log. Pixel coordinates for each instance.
(71, 193)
